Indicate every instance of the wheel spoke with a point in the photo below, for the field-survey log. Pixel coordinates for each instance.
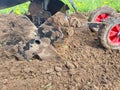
(118, 27)
(103, 16)
(113, 33)
(111, 38)
(115, 40)
(114, 29)
(98, 19)
(119, 40)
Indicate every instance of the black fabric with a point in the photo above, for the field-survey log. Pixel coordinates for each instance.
(10, 3)
(55, 5)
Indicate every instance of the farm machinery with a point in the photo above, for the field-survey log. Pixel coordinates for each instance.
(54, 26)
(108, 28)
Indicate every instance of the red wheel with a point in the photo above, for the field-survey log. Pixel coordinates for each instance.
(114, 35)
(100, 15)
(110, 34)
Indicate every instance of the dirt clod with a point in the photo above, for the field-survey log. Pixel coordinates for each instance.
(58, 69)
(70, 65)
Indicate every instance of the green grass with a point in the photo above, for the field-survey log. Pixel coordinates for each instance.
(89, 5)
(18, 9)
(82, 6)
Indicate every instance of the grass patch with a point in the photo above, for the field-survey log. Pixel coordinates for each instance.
(89, 5)
(18, 9)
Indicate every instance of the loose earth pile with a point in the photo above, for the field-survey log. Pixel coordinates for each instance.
(84, 64)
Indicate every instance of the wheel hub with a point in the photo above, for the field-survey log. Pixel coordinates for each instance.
(118, 34)
(101, 17)
(114, 35)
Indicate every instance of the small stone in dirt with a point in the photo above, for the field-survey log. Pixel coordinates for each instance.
(4, 87)
(49, 78)
(72, 71)
(76, 64)
(30, 60)
(58, 69)
(48, 86)
(5, 81)
(69, 65)
(58, 74)
(48, 71)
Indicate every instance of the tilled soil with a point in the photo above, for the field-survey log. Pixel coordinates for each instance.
(85, 65)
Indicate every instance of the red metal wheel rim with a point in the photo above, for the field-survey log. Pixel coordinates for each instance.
(114, 35)
(101, 17)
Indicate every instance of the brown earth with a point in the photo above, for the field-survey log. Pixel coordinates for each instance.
(85, 65)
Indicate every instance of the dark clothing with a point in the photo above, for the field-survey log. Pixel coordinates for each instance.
(10, 3)
(55, 5)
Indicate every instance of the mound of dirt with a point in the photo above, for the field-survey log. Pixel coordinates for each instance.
(19, 39)
(85, 65)
(14, 30)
